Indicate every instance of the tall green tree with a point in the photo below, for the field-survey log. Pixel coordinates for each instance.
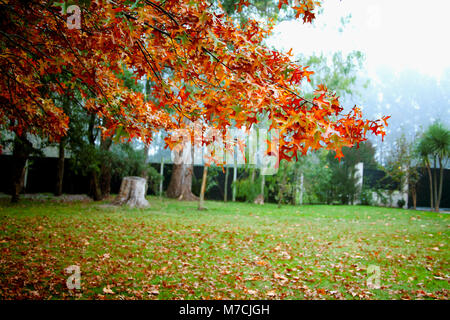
(344, 186)
(337, 71)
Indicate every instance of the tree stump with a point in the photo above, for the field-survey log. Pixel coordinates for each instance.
(259, 199)
(132, 192)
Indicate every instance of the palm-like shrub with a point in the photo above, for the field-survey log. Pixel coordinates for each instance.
(434, 149)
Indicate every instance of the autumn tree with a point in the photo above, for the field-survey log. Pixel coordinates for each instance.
(220, 73)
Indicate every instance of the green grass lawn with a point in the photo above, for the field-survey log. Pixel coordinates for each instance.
(230, 251)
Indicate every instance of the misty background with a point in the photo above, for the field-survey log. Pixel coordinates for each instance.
(406, 70)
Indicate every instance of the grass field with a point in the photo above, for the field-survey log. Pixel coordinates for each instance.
(230, 251)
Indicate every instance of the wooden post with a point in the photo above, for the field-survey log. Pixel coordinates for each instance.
(301, 190)
(263, 183)
(201, 201)
(225, 193)
(25, 178)
(161, 172)
(234, 179)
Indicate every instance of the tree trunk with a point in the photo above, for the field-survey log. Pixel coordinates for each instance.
(95, 191)
(105, 168)
(225, 191)
(21, 151)
(280, 194)
(201, 201)
(180, 186)
(260, 197)
(431, 186)
(132, 192)
(414, 197)
(60, 168)
(282, 187)
(144, 173)
(435, 186)
(263, 184)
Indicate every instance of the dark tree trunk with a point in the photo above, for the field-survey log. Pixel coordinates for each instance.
(180, 186)
(105, 180)
(60, 168)
(95, 191)
(21, 151)
(144, 173)
(431, 186)
(282, 186)
(105, 168)
(280, 195)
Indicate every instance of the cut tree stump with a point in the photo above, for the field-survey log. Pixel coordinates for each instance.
(259, 199)
(132, 192)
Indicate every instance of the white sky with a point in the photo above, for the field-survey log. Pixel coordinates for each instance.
(413, 34)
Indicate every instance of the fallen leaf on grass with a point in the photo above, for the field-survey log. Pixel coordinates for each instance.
(252, 292)
(108, 290)
(271, 293)
(279, 276)
(261, 262)
(154, 292)
(321, 291)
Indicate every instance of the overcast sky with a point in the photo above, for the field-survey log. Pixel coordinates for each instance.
(396, 33)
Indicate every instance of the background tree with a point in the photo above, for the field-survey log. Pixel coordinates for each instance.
(22, 148)
(344, 180)
(434, 149)
(424, 150)
(337, 71)
(403, 166)
(317, 177)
